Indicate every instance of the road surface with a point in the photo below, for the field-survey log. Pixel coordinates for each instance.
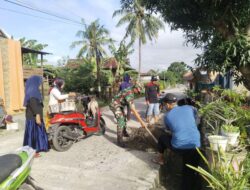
(94, 163)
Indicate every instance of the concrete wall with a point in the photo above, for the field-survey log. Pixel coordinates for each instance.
(1, 78)
(11, 75)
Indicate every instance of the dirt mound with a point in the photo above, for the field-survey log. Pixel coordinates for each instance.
(140, 139)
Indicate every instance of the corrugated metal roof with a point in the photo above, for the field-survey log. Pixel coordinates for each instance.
(28, 50)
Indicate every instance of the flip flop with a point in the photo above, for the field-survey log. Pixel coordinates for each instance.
(157, 161)
(37, 155)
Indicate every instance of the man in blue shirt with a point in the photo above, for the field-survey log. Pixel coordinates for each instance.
(181, 121)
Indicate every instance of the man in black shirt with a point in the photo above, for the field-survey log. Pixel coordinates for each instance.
(152, 90)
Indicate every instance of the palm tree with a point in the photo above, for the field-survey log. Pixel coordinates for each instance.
(121, 55)
(93, 37)
(140, 24)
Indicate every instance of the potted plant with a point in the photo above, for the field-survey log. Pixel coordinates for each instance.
(232, 133)
(218, 142)
(223, 174)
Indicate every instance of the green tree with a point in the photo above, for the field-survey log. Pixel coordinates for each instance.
(174, 73)
(31, 59)
(178, 68)
(169, 77)
(93, 39)
(221, 28)
(121, 55)
(141, 24)
(80, 79)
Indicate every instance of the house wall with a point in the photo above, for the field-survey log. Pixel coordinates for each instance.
(11, 75)
(1, 78)
(145, 78)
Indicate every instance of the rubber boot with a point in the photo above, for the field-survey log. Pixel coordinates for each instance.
(120, 137)
(125, 133)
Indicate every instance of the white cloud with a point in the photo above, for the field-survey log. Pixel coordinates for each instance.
(169, 47)
(53, 59)
(157, 55)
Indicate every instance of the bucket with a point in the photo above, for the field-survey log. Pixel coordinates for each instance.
(218, 142)
(12, 126)
(232, 138)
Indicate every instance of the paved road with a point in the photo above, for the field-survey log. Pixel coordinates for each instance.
(93, 163)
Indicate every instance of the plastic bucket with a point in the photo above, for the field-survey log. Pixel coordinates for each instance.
(232, 138)
(12, 126)
(218, 142)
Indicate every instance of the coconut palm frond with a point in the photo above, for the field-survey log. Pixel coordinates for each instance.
(82, 52)
(125, 19)
(76, 43)
(120, 12)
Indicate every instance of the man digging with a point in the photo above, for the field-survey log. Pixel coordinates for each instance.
(117, 105)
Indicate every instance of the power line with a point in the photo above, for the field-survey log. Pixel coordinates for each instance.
(70, 11)
(18, 12)
(42, 11)
(32, 5)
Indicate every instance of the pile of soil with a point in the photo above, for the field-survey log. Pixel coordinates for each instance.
(140, 139)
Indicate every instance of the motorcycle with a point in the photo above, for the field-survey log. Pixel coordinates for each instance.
(15, 168)
(68, 127)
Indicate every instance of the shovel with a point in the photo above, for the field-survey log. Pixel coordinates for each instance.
(142, 123)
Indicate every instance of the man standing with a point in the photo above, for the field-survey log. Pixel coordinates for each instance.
(117, 105)
(126, 84)
(152, 91)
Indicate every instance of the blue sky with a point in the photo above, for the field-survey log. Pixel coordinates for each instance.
(59, 35)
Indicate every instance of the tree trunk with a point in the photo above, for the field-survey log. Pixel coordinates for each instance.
(139, 76)
(98, 74)
(245, 71)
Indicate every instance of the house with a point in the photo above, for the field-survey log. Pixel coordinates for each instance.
(200, 79)
(146, 77)
(74, 63)
(12, 73)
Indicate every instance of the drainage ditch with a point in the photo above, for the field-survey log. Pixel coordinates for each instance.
(169, 175)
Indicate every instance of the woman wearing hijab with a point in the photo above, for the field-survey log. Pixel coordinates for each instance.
(55, 94)
(35, 134)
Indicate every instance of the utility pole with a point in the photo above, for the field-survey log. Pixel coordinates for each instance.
(164, 79)
(98, 62)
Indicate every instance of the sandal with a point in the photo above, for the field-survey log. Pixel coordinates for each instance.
(157, 161)
(37, 155)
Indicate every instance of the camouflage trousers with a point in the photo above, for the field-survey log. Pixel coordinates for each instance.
(120, 116)
(121, 123)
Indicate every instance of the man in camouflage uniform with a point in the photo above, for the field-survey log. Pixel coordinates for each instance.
(117, 105)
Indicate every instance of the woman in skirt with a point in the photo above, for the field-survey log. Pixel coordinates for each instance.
(35, 134)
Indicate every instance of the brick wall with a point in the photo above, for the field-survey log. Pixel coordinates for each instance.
(11, 75)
